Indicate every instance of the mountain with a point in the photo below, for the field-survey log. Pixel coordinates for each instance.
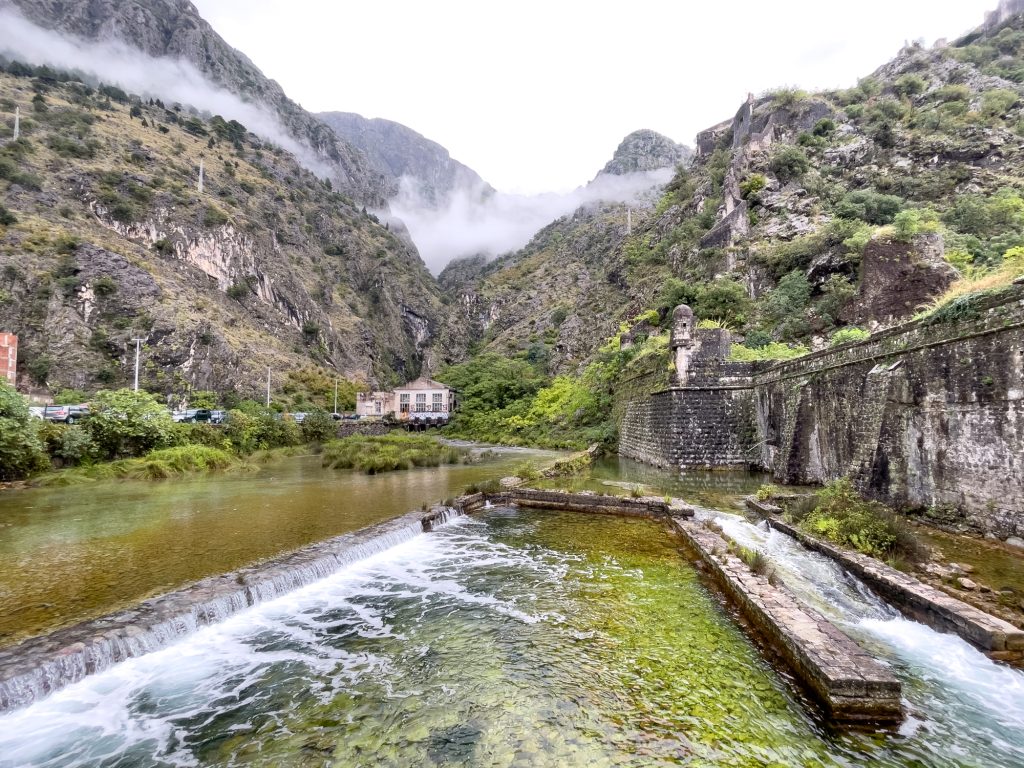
(395, 151)
(105, 237)
(646, 150)
(801, 215)
(174, 29)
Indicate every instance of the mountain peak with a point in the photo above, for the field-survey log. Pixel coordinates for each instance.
(645, 150)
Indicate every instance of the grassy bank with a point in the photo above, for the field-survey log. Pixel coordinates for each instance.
(390, 452)
(156, 465)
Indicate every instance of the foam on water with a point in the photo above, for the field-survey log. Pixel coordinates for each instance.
(947, 682)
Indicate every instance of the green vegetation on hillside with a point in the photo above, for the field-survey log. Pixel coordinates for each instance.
(511, 401)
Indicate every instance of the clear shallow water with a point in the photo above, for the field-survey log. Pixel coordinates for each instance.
(516, 638)
(70, 554)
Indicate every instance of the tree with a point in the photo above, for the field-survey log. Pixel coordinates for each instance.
(126, 423)
(21, 450)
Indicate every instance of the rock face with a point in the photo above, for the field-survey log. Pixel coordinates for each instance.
(395, 151)
(645, 150)
(174, 28)
(897, 278)
(267, 267)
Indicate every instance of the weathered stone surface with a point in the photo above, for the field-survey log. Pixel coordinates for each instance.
(851, 685)
(587, 501)
(897, 277)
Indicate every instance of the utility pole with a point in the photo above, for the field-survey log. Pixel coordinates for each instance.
(268, 386)
(335, 395)
(17, 122)
(629, 221)
(138, 350)
(200, 177)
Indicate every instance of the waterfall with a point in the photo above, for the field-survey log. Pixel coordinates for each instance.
(39, 666)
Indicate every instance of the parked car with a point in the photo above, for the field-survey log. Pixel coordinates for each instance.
(299, 417)
(193, 415)
(218, 417)
(67, 414)
(36, 411)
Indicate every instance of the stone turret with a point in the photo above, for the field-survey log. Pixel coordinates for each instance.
(681, 342)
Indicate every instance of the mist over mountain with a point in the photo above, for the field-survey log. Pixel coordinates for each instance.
(164, 48)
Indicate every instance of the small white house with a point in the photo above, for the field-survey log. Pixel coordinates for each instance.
(420, 399)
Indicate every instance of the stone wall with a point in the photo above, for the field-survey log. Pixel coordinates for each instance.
(923, 415)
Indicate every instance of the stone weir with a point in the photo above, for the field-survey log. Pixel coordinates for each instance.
(997, 638)
(853, 687)
(39, 666)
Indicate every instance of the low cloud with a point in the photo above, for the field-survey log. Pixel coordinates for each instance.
(170, 80)
(473, 222)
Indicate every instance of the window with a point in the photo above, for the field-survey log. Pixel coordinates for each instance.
(421, 402)
(403, 402)
(377, 406)
(437, 405)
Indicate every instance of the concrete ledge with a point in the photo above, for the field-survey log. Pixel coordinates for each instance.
(586, 501)
(852, 686)
(922, 602)
(41, 665)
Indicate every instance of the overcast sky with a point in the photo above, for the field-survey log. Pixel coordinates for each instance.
(535, 96)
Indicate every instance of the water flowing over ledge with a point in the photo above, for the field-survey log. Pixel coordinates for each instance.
(39, 666)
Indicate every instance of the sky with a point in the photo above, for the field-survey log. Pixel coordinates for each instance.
(535, 96)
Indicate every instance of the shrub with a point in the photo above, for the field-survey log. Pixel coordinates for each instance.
(910, 85)
(21, 450)
(752, 185)
(127, 423)
(824, 127)
(318, 427)
(76, 446)
(765, 492)
(725, 300)
(6, 217)
(771, 351)
(846, 335)
(907, 224)
(104, 286)
(214, 217)
(869, 206)
(998, 101)
(789, 163)
(843, 517)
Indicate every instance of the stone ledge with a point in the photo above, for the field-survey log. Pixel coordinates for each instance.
(587, 501)
(853, 687)
(918, 600)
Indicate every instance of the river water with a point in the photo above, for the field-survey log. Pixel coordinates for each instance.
(71, 554)
(522, 638)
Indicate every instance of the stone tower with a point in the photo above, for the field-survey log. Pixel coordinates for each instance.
(681, 343)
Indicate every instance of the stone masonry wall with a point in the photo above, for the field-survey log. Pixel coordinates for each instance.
(927, 416)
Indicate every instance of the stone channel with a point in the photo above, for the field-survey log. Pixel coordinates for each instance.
(852, 687)
(997, 638)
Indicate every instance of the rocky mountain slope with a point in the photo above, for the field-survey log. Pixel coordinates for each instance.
(105, 237)
(646, 150)
(174, 29)
(802, 215)
(395, 151)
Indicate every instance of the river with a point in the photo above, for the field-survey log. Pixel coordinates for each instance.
(524, 638)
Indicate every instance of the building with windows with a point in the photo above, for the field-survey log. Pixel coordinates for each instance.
(8, 358)
(419, 400)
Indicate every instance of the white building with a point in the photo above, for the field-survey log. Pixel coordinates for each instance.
(418, 400)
